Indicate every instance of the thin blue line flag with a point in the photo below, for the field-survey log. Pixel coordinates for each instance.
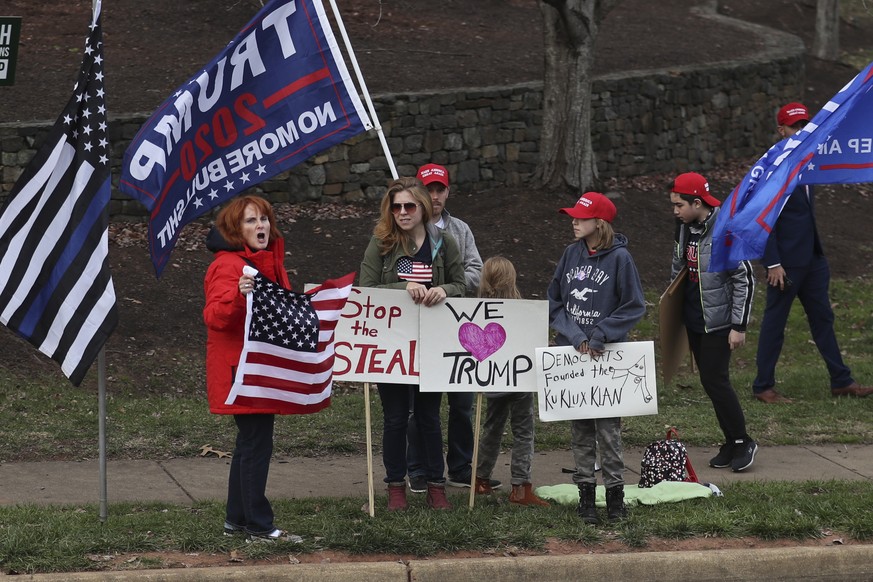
(55, 286)
(835, 147)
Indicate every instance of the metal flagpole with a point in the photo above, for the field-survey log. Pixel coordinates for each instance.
(101, 396)
(101, 412)
(376, 125)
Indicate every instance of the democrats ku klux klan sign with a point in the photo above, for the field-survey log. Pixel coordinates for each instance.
(278, 94)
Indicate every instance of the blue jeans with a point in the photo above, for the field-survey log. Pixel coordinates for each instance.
(247, 505)
(459, 454)
(395, 409)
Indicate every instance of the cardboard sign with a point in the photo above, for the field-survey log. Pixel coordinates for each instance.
(674, 338)
(377, 337)
(621, 382)
(482, 345)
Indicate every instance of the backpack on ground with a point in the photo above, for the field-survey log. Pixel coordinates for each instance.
(666, 460)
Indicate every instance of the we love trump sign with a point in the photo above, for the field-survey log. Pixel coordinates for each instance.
(481, 345)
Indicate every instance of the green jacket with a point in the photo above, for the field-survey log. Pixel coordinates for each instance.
(448, 268)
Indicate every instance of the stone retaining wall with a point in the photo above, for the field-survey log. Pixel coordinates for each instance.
(668, 120)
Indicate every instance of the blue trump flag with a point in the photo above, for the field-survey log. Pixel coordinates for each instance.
(278, 94)
(835, 147)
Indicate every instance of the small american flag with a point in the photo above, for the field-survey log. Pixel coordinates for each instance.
(288, 352)
(411, 270)
(55, 286)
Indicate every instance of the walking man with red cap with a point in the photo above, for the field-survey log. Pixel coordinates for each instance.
(796, 267)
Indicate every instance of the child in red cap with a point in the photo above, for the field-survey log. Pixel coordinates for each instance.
(715, 311)
(596, 298)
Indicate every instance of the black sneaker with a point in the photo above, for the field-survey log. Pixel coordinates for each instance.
(724, 457)
(465, 482)
(459, 481)
(232, 530)
(744, 455)
(417, 484)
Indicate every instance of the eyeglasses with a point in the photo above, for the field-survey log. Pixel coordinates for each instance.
(409, 207)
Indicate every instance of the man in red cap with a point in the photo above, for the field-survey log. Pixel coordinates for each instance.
(715, 310)
(459, 454)
(796, 267)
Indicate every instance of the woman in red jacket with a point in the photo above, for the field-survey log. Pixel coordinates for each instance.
(245, 233)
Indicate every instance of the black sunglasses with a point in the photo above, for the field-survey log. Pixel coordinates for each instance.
(410, 207)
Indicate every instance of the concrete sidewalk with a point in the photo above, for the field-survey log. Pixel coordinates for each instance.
(184, 481)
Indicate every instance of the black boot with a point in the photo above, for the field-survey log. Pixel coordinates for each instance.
(587, 510)
(615, 509)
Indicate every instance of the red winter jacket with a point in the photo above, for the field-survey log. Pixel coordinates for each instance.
(225, 315)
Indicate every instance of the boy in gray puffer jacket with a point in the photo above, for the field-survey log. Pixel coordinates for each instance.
(715, 311)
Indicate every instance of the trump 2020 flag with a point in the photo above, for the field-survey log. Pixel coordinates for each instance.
(835, 147)
(288, 351)
(278, 94)
(55, 287)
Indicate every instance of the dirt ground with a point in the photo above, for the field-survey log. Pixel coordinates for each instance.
(152, 47)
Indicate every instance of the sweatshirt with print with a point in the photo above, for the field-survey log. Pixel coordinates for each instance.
(597, 297)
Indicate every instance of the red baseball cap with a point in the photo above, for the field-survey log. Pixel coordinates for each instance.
(592, 205)
(694, 184)
(792, 113)
(430, 173)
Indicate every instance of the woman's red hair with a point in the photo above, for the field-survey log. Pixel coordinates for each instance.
(229, 220)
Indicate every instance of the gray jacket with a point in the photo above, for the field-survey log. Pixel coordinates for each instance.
(462, 234)
(726, 295)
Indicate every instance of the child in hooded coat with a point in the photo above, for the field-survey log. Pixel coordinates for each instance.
(596, 298)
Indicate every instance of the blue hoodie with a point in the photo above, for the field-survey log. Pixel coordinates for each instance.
(595, 298)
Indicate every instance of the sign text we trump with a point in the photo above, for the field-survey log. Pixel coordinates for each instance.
(482, 345)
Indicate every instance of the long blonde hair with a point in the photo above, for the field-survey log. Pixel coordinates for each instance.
(603, 237)
(498, 279)
(389, 234)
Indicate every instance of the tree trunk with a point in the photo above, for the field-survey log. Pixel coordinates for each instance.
(827, 30)
(566, 154)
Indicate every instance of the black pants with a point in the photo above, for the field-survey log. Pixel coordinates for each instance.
(713, 356)
(247, 503)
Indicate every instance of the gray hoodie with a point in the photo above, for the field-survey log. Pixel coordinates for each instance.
(595, 298)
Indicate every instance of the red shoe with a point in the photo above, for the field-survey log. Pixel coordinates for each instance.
(436, 496)
(483, 486)
(397, 497)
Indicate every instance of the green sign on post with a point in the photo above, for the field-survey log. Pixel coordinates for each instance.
(10, 31)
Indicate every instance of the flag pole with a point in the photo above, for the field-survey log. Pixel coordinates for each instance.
(101, 398)
(376, 125)
(101, 412)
